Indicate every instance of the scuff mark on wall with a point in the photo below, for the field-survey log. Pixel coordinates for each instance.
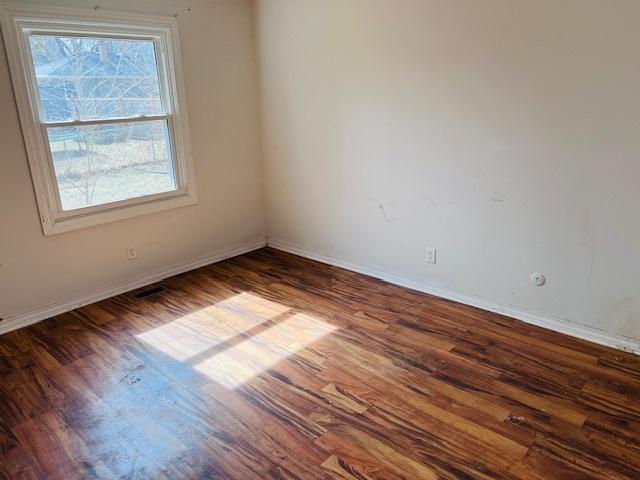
(410, 207)
(437, 203)
(387, 217)
(428, 200)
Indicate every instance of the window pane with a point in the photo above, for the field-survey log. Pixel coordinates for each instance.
(97, 164)
(82, 78)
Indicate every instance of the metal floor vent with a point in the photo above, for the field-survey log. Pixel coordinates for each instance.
(149, 292)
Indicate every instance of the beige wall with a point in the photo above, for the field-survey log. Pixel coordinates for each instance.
(505, 133)
(218, 59)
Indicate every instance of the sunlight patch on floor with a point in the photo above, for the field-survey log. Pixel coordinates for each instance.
(238, 338)
(239, 363)
(201, 330)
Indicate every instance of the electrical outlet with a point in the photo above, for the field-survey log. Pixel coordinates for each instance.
(131, 252)
(431, 255)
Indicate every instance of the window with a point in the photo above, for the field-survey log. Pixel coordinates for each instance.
(102, 109)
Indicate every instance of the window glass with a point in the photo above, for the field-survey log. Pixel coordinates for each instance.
(97, 164)
(86, 78)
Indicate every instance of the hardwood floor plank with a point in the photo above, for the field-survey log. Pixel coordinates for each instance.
(18, 463)
(385, 455)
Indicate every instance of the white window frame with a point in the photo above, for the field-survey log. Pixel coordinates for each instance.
(20, 20)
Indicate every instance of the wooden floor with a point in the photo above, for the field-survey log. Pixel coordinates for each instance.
(272, 366)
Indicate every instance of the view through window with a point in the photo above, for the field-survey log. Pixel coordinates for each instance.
(102, 107)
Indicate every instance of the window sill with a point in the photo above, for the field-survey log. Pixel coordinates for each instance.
(108, 214)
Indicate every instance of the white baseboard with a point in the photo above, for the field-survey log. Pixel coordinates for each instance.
(22, 320)
(545, 321)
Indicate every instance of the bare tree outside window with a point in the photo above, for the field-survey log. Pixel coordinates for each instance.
(94, 79)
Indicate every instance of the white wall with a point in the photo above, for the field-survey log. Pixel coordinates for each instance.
(505, 133)
(218, 57)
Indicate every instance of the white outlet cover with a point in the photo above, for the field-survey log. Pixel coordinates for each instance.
(538, 279)
(131, 253)
(431, 255)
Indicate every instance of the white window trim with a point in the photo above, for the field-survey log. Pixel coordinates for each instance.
(164, 31)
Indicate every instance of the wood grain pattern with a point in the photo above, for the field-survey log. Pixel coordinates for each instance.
(270, 366)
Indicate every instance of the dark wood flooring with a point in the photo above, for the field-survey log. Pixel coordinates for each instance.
(271, 366)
